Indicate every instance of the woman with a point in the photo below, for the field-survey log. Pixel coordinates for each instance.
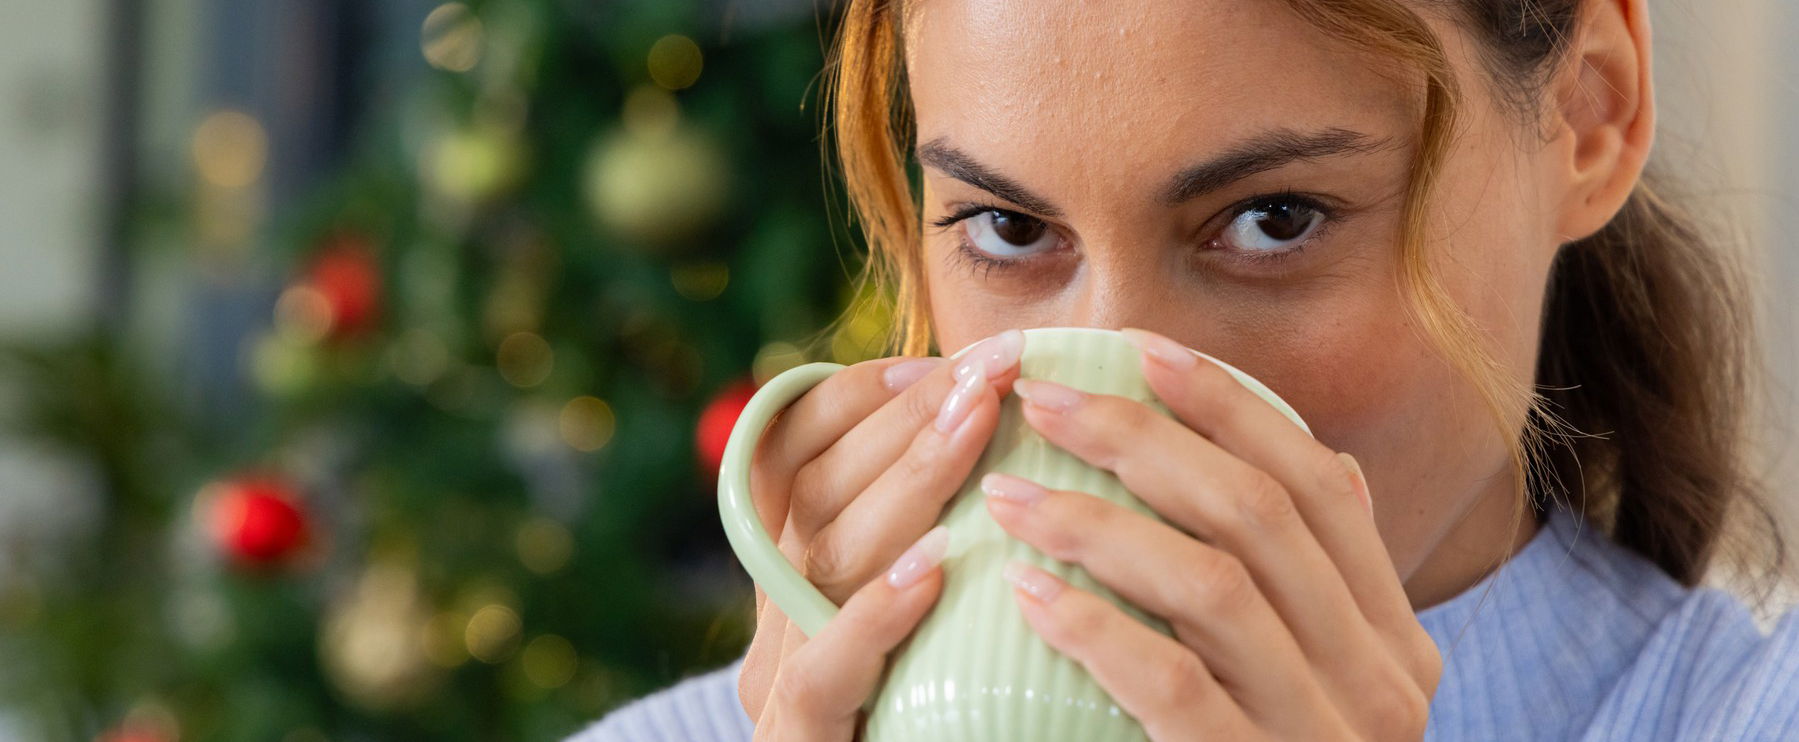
(1426, 226)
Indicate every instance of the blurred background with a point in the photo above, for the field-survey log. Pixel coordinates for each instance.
(364, 366)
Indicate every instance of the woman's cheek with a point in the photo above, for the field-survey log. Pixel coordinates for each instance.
(1351, 368)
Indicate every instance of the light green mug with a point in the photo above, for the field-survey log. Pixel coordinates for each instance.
(973, 670)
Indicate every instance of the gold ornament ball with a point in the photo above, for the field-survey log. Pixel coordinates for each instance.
(657, 189)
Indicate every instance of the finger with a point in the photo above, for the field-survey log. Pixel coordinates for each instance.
(825, 412)
(762, 659)
(1327, 491)
(820, 689)
(907, 498)
(783, 636)
(1159, 682)
(859, 456)
(1205, 594)
(1220, 499)
(805, 428)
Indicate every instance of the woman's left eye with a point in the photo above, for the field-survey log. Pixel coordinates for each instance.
(1272, 226)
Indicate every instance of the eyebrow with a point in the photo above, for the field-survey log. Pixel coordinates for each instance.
(1266, 151)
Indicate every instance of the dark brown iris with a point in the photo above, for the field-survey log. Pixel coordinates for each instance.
(1283, 221)
(1017, 229)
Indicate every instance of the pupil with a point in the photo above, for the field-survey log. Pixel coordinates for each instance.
(1282, 222)
(1016, 229)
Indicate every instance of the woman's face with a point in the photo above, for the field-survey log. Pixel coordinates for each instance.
(1225, 174)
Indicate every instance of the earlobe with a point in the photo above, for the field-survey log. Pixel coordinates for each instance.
(1604, 99)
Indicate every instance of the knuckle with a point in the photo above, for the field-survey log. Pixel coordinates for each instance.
(1264, 505)
(818, 496)
(921, 400)
(1396, 709)
(1222, 586)
(831, 566)
(1181, 683)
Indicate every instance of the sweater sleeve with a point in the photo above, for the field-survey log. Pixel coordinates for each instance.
(703, 708)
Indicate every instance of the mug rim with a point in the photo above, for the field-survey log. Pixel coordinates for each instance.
(1054, 330)
(1254, 384)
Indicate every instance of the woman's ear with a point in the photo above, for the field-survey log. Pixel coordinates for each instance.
(1605, 113)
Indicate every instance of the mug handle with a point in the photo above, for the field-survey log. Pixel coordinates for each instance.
(804, 605)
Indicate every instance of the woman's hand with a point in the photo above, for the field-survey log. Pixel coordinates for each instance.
(1289, 621)
(819, 689)
(858, 468)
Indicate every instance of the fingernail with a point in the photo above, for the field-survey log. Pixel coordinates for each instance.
(1047, 394)
(903, 374)
(1362, 491)
(1040, 585)
(1167, 352)
(960, 400)
(918, 560)
(1014, 489)
(997, 353)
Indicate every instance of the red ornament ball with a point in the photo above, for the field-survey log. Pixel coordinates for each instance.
(347, 276)
(716, 421)
(256, 519)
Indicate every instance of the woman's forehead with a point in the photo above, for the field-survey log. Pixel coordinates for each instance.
(1141, 76)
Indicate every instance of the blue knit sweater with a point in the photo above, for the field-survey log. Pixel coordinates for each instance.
(1578, 639)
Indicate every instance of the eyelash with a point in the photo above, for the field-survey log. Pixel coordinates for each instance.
(973, 259)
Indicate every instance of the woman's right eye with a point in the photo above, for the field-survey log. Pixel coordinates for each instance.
(1005, 234)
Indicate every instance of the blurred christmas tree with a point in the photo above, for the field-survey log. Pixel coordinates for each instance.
(471, 495)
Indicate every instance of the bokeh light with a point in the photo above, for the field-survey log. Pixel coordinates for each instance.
(230, 149)
(675, 62)
(549, 661)
(492, 633)
(774, 358)
(525, 359)
(418, 357)
(451, 38)
(650, 111)
(302, 314)
(700, 281)
(442, 640)
(586, 423)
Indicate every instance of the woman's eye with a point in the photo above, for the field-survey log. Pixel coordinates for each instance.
(1006, 234)
(1270, 226)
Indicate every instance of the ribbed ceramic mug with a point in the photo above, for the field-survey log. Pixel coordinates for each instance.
(974, 670)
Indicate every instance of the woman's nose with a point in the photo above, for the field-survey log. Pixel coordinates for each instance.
(1114, 296)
